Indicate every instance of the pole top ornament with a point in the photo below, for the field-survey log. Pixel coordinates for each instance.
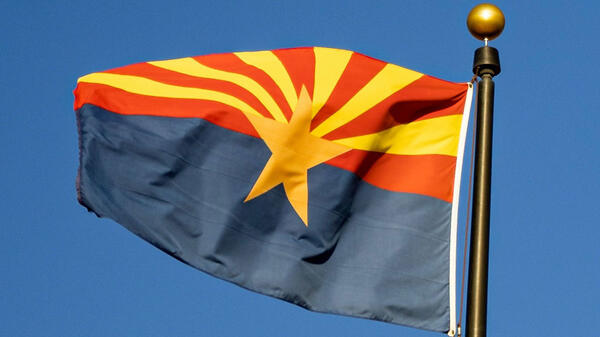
(485, 22)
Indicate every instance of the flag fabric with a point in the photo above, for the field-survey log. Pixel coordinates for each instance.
(319, 176)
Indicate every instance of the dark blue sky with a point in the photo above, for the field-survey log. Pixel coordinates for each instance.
(65, 272)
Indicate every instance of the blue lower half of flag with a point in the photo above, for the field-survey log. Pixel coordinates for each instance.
(180, 184)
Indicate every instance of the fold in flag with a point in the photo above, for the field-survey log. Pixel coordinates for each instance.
(319, 176)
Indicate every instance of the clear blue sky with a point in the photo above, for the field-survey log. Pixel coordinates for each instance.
(65, 272)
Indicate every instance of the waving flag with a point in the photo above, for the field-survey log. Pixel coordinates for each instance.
(319, 176)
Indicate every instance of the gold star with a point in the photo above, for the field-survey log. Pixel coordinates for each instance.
(293, 151)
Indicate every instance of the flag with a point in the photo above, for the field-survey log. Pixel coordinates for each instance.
(319, 176)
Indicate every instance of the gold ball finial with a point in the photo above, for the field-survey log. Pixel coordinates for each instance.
(485, 21)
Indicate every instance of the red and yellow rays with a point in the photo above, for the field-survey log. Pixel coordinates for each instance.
(395, 128)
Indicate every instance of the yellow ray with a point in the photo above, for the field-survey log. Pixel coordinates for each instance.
(329, 66)
(143, 86)
(438, 135)
(270, 64)
(389, 80)
(190, 66)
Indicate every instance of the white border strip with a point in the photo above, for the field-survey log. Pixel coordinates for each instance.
(454, 217)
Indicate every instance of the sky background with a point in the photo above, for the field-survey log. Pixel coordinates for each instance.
(64, 272)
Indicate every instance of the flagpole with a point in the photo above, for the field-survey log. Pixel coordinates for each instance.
(485, 22)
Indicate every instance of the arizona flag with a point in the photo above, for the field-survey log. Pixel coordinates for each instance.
(319, 176)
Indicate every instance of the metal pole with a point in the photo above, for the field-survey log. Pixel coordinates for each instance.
(486, 65)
